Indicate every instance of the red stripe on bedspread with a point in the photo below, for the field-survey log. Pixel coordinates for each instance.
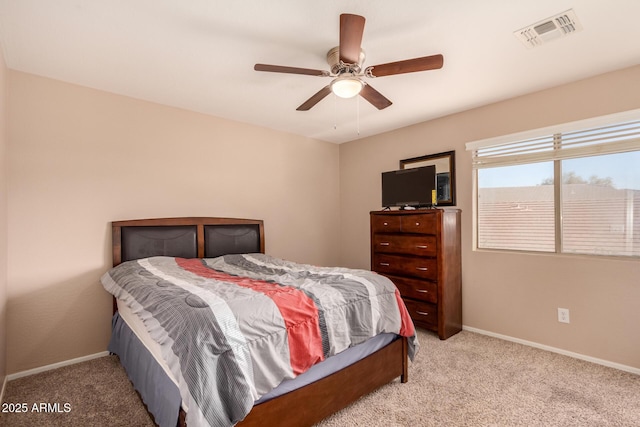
(406, 329)
(299, 312)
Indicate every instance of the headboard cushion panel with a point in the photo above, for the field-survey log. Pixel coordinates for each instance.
(143, 242)
(231, 239)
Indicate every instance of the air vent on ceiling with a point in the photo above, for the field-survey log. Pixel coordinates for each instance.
(557, 26)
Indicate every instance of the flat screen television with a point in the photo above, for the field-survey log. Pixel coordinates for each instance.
(411, 187)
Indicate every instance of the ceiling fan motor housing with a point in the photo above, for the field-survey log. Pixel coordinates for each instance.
(338, 67)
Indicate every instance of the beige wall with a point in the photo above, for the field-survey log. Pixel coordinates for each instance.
(3, 218)
(80, 158)
(512, 294)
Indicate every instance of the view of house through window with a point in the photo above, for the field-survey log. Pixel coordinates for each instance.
(601, 205)
(559, 193)
(515, 209)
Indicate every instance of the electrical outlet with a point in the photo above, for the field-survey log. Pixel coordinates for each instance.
(563, 315)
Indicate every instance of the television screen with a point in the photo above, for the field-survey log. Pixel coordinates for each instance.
(408, 187)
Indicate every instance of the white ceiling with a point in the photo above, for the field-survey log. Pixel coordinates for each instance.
(199, 54)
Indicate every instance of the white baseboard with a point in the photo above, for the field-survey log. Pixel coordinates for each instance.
(4, 385)
(54, 366)
(556, 350)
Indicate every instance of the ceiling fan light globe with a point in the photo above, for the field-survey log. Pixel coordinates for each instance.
(346, 87)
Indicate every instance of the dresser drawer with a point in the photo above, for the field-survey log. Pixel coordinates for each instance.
(422, 312)
(424, 224)
(422, 290)
(425, 268)
(385, 223)
(405, 244)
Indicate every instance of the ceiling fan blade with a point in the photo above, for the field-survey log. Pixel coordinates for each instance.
(374, 97)
(351, 29)
(290, 70)
(319, 96)
(425, 63)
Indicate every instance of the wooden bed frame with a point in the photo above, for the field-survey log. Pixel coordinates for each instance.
(304, 406)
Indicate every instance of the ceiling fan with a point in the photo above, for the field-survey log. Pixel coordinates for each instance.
(346, 61)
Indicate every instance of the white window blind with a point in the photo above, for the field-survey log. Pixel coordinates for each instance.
(605, 135)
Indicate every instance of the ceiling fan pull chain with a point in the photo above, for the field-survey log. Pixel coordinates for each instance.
(335, 112)
(358, 114)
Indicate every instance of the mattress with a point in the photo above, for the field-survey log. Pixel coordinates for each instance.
(141, 357)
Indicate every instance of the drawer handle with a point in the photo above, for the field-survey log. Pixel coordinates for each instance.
(417, 223)
(422, 268)
(386, 264)
(422, 313)
(422, 246)
(385, 223)
(424, 291)
(384, 243)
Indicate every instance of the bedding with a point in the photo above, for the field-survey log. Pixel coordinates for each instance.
(157, 390)
(232, 328)
(140, 357)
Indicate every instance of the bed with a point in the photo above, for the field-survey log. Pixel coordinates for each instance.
(210, 247)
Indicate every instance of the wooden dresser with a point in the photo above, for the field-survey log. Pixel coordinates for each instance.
(419, 250)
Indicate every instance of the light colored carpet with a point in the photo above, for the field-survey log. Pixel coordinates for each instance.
(98, 393)
(475, 380)
(467, 380)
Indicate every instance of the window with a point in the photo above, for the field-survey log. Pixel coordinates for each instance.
(573, 188)
(513, 212)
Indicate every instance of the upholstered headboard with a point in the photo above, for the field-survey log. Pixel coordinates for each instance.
(192, 237)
